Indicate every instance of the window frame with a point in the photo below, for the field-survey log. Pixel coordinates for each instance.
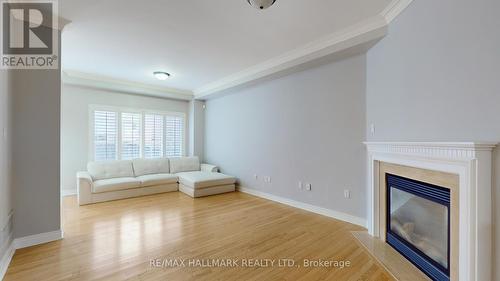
(92, 135)
(120, 136)
(119, 110)
(163, 143)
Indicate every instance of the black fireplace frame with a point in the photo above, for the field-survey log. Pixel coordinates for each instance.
(430, 192)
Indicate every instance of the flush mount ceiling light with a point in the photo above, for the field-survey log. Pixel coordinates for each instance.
(161, 75)
(261, 4)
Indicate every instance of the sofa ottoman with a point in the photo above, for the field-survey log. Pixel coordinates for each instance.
(203, 183)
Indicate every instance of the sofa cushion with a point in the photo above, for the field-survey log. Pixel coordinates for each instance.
(110, 169)
(198, 179)
(150, 166)
(157, 179)
(184, 164)
(115, 184)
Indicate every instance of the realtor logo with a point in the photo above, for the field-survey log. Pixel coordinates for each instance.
(29, 35)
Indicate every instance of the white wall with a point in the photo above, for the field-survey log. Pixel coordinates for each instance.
(75, 127)
(436, 77)
(307, 126)
(6, 198)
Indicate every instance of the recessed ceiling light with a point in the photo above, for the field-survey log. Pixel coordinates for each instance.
(161, 75)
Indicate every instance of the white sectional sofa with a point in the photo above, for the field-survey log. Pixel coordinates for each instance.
(112, 180)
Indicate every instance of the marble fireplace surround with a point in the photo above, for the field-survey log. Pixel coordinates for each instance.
(472, 163)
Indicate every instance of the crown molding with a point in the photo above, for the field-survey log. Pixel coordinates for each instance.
(362, 33)
(366, 31)
(99, 82)
(341, 44)
(61, 21)
(395, 8)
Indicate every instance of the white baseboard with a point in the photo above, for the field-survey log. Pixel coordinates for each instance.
(68, 192)
(6, 258)
(308, 207)
(37, 239)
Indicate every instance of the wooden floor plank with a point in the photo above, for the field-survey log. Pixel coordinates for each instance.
(117, 240)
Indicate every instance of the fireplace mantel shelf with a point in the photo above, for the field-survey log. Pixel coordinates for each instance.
(438, 149)
(457, 145)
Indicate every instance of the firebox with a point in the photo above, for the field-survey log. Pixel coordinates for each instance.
(418, 224)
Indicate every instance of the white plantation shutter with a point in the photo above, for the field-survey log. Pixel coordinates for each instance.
(131, 135)
(105, 135)
(153, 135)
(174, 136)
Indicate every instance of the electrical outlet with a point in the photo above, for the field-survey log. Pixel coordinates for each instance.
(372, 129)
(300, 185)
(267, 179)
(308, 186)
(347, 194)
(256, 177)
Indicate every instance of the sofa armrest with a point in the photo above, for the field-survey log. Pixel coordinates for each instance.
(209, 168)
(84, 185)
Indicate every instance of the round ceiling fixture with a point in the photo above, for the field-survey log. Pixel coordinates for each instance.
(261, 4)
(161, 75)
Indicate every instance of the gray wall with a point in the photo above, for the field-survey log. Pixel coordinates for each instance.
(436, 76)
(6, 204)
(75, 124)
(35, 162)
(308, 126)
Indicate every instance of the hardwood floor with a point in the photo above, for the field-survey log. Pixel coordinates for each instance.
(117, 241)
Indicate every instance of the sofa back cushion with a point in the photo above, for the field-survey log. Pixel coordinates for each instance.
(110, 169)
(184, 164)
(144, 167)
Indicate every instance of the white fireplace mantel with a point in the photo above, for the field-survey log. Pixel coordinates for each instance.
(472, 162)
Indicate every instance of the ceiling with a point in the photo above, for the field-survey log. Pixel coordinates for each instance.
(197, 41)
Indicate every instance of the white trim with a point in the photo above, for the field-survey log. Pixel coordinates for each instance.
(472, 162)
(367, 31)
(7, 221)
(304, 206)
(88, 80)
(24, 242)
(93, 107)
(356, 35)
(37, 239)
(68, 192)
(395, 8)
(7, 257)
(58, 21)
(7, 246)
(339, 42)
(471, 146)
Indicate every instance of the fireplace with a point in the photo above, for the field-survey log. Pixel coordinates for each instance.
(418, 224)
(463, 224)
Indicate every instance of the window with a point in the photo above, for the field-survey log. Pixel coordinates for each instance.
(174, 126)
(128, 134)
(105, 135)
(153, 135)
(131, 136)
